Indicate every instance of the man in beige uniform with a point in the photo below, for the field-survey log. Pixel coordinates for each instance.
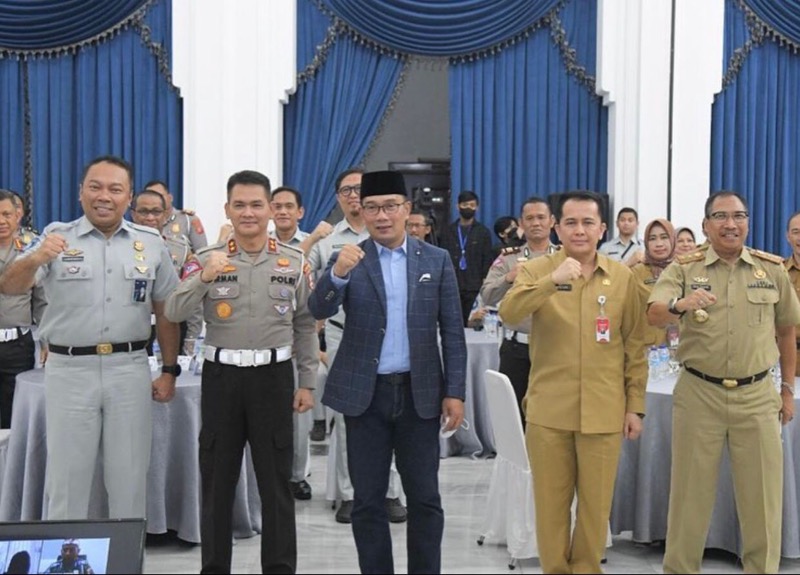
(102, 277)
(149, 209)
(17, 312)
(179, 224)
(587, 388)
(792, 265)
(254, 292)
(536, 221)
(733, 301)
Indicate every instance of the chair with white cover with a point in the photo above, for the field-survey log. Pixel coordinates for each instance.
(510, 516)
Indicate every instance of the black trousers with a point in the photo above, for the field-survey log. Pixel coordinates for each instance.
(467, 300)
(238, 405)
(15, 357)
(516, 364)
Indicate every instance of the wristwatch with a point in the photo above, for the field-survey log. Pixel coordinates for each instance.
(671, 306)
(171, 369)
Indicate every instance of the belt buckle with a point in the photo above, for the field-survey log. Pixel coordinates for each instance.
(730, 383)
(104, 348)
(248, 358)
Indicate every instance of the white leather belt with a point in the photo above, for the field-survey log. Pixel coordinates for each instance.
(12, 333)
(248, 357)
(517, 336)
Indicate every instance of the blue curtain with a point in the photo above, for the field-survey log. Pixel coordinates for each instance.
(43, 24)
(109, 98)
(522, 126)
(12, 149)
(783, 16)
(331, 120)
(755, 144)
(440, 28)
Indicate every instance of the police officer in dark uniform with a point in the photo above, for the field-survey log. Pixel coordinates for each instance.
(254, 293)
(536, 221)
(17, 312)
(179, 223)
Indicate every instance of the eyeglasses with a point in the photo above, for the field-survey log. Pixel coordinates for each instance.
(720, 217)
(414, 226)
(144, 212)
(345, 191)
(388, 209)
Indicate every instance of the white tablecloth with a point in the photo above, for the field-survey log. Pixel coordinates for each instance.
(483, 352)
(641, 494)
(173, 480)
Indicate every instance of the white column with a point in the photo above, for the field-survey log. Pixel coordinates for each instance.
(633, 78)
(234, 63)
(697, 78)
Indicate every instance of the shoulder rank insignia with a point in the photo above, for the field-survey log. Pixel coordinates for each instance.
(272, 245)
(232, 247)
(18, 245)
(766, 256)
(507, 251)
(692, 257)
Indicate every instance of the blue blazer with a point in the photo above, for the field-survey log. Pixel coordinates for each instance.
(434, 308)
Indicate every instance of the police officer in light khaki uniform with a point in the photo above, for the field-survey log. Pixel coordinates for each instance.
(732, 302)
(792, 264)
(536, 221)
(179, 224)
(102, 277)
(587, 385)
(254, 293)
(17, 312)
(350, 230)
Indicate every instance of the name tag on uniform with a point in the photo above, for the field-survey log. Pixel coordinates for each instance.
(701, 286)
(564, 287)
(140, 291)
(650, 281)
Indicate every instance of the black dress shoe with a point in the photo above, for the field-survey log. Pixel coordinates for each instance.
(301, 490)
(397, 513)
(344, 512)
(317, 432)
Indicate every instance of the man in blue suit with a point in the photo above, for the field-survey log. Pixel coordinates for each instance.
(389, 379)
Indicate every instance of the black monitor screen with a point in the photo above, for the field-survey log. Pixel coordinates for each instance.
(111, 546)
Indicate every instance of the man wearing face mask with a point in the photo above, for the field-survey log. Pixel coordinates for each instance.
(470, 245)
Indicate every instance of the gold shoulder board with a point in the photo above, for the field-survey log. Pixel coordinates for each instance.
(766, 256)
(692, 257)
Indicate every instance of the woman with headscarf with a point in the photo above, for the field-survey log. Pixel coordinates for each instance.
(685, 241)
(659, 251)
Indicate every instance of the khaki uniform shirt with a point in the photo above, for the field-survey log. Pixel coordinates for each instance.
(254, 304)
(753, 297)
(495, 285)
(322, 251)
(24, 309)
(794, 277)
(578, 383)
(645, 282)
(101, 290)
(185, 224)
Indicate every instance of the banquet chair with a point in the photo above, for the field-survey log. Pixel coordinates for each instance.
(509, 507)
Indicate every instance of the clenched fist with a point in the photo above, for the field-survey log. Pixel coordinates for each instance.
(569, 270)
(347, 259)
(214, 265)
(50, 248)
(322, 230)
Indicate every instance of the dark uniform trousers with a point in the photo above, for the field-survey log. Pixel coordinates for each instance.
(238, 405)
(515, 362)
(15, 357)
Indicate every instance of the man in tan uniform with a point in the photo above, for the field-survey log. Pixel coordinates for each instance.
(792, 264)
(587, 388)
(179, 223)
(149, 209)
(254, 292)
(536, 221)
(732, 301)
(17, 312)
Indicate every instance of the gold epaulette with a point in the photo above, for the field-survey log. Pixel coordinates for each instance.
(188, 212)
(695, 256)
(766, 256)
(507, 251)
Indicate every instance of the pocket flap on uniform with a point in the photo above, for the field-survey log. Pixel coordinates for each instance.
(139, 272)
(280, 292)
(761, 296)
(224, 290)
(74, 271)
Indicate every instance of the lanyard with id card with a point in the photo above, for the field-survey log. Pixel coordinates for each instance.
(602, 324)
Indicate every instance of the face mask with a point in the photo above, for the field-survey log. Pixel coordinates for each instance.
(466, 213)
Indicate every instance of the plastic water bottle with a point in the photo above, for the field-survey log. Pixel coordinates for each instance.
(156, 350)
(490, 324)
(654, 374)
(198, 357)
(663, 360)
